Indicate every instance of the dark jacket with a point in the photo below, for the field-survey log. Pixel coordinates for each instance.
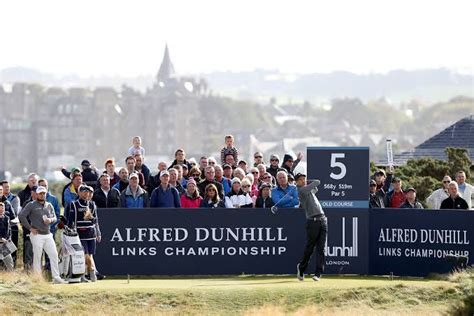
(9, 212)
(264, 203)
(288, 169)
(153, 183)
(408, 205)
(206, 204)
(454, 204)
(89, 176)
(146, 174)
(180, 188)
(113, 180)
(383, 189)
(24, 195)
(112, 199)
(165, 198)
(274, 171)
(220, 189)
(120, 186)
(5, 230)
(376, 200)
(185, 162)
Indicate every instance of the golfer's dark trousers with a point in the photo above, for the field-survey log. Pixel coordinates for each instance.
(316, 235)
(27, 251)
(15, 241)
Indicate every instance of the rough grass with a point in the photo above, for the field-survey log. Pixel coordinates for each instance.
(268, 295)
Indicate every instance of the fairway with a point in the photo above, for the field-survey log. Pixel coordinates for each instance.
(255, 295)
(251, 283)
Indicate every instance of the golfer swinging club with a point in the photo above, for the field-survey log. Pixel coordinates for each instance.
(316, 226)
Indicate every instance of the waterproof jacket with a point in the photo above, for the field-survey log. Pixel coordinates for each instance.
(141, 200)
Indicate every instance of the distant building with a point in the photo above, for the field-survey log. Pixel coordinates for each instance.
(458, 135)
(41, 129)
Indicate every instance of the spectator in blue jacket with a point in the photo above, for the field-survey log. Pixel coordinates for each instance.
(165, 195)
(71, 193)
(54, 201)
(134, 196)
(284, 194)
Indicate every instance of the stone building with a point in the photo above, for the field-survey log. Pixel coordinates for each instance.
(44, 128)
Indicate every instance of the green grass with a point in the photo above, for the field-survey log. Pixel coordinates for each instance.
(267, 295)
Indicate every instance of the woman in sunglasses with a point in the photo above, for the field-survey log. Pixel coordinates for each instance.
(211, 198)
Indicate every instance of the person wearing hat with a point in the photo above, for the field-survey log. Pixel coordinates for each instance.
(106, 196)
(289, 164)
(71, 191)
(84, 218)
(383, 181)
(134, 196)
(411, 201)
(191, 198)
(165, 195)
(36, 217)
(264, 199)
(436, 197)
(375, 198)
(316, 227)
(236, 198)
(396, 197)
(89, 174)
(273, 168)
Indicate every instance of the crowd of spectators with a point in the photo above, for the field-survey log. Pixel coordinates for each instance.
(386, 191)
(207, 183)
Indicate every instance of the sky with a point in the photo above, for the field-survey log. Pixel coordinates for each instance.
(127, 38)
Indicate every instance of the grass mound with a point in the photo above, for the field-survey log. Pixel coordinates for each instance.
(251, 295)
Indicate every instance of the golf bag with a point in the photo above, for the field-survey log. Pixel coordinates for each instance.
(72, 263)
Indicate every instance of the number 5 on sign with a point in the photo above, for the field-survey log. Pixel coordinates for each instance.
(337, 164)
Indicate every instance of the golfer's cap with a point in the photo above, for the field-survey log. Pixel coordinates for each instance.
(86, 188)
(299, 175)
(41, 189)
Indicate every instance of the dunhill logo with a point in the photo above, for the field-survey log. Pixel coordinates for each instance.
(343, 250)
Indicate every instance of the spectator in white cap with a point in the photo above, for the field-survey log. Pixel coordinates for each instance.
(36, 217)
(165, 195)
(134, 196)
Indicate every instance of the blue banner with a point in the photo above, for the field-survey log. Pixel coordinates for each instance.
(255, 241)
(416, 242)
(224, 242)
(343, 172)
